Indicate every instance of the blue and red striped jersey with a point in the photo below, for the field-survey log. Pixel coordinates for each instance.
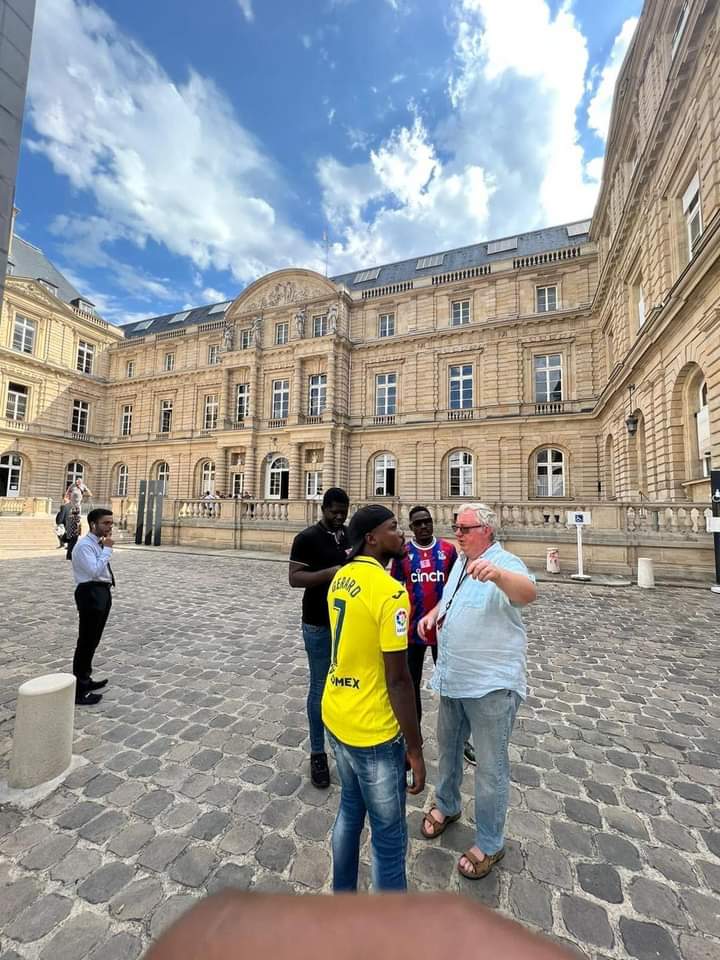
(424, 571)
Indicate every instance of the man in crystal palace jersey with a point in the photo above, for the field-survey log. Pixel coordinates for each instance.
(424, 570)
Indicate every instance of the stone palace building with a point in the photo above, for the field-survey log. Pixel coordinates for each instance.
(575, 367)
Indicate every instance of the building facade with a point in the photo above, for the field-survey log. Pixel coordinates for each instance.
(16, 25)
(573, 366)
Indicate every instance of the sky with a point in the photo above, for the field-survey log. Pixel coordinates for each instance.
(175, 151)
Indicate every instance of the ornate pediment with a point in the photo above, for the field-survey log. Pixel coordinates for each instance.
(30, 289)
(282, 289)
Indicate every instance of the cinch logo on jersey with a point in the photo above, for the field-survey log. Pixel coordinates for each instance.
(433, 576)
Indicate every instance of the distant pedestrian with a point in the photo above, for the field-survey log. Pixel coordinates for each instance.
(73, 529)
(61, 518)
(76, 493)
(94, 579)
(316, 555)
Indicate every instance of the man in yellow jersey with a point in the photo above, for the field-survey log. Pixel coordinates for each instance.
(368, 706)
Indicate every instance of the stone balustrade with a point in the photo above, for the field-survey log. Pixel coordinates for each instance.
(25, 506)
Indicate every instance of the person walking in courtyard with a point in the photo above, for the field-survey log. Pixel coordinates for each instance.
(423, 569)
(316, 555)
(94, 579)
(481, 678)
(76, 492)
(369, 705)
(73, 528)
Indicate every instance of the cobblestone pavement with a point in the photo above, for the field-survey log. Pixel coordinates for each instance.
(196, 772)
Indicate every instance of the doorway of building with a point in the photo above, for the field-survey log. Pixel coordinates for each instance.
(10, 475)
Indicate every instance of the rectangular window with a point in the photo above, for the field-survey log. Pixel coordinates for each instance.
(130, 369)
(245, 339)
(213, 354)
(17, 401)
(238, 484)
(460, 387)
(85, 356)
(317, 394)
(320, 325)
(460, 313)
(280, 399)
(545, 299)
(386, 325)
(242, 402)
(210, 417)
(169, 362)
(166, 412)
(313, 483)
(126, 420)
(692, 213)
(23, 334)
(639, 303)
(680, 27)
(80, 417)
(281, 333)
(385, 394)
(548, 378)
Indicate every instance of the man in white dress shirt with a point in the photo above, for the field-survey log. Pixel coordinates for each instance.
(94, 579)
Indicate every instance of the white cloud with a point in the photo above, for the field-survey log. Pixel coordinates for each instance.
(246, 7)
(601, 104)
(306, 40)
(507, 157)
(163, 161)
(331, 114)
(211, 295)
(397, 78)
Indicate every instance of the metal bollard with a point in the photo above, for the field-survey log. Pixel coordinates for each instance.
(645, 573)
(44, 720)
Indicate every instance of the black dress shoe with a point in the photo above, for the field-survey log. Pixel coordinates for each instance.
(95, 684)
(85, 699)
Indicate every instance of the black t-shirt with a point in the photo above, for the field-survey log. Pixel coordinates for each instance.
(317, 547)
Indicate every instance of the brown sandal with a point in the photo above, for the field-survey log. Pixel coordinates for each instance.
(438, 827)
(481, 868)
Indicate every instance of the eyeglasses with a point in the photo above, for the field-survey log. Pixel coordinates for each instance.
(463, 530)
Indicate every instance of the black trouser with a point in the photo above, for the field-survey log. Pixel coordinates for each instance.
(93, 601)
(416, 658)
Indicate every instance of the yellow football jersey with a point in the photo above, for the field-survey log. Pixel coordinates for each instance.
(369, 613)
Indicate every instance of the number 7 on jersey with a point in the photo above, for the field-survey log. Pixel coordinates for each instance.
(338, 605)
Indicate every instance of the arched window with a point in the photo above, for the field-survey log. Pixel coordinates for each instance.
(123, 475)
(385, 475)
(550, 473)
(278, 479)
(74, 471)
(162, 475)
(10, 475)
(702, 429)
(460, 474)
(207, 478)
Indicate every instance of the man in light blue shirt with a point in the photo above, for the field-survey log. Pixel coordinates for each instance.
(94, 578)
(480, 676)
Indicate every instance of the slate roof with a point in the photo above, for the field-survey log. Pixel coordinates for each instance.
(30, 261)
(537, 241)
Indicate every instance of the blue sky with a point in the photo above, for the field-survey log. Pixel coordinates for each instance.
(174, 151)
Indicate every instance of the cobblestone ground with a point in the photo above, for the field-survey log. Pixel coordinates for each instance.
(196, 772)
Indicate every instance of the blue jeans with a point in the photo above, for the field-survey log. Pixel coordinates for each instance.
(317, 647)
(490, 719)
(373, 782)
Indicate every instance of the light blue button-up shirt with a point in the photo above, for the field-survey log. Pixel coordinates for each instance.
(482, 642)
(90, 560)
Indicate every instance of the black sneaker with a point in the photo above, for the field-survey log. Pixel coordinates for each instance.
(319, 771)
(469, 752)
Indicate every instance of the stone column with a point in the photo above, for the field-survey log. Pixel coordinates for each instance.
(252, 481)
(296, 392)
(296, 491)
(221, 471)
(226, 413)
(42, 741)
(330, 405)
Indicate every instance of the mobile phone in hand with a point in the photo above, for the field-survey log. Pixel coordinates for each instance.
(410, 778)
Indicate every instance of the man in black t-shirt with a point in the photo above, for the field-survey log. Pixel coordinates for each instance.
(316, 555)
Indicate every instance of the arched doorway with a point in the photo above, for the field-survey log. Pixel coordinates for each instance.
(278, 479)
(10, 475)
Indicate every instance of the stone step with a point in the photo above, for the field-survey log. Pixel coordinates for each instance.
(25, 532)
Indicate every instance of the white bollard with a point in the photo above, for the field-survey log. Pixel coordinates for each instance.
(42, 742)
(645, 574)
(553, 560)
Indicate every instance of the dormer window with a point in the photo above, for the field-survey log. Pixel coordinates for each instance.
(49, 285)
(83, 305)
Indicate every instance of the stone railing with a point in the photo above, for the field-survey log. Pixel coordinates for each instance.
(245, 511)
(667, 518)
(25, 506)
